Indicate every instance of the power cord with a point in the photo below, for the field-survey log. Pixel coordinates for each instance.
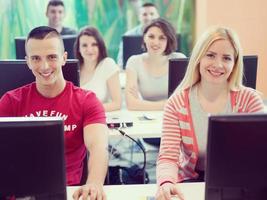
(138, 143)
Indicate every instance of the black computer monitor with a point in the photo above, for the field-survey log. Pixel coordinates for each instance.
(236, 157)
(177, 69)
(68, 41)
(32, 157)
(132, 45)
(16, 73)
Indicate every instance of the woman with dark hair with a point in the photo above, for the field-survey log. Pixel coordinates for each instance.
(147, 73)
(99, 73)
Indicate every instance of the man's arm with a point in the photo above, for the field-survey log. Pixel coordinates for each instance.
(96, 142)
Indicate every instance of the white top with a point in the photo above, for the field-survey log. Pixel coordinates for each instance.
(98, 84)
(152, 88)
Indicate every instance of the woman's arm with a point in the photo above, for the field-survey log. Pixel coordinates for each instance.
(115, 92)
(133, 100)
(167, 164)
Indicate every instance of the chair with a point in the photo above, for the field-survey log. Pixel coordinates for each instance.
(178, 66)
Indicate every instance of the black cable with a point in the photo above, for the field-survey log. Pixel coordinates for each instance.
(140, 146)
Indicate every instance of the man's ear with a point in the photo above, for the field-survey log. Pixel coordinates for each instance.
(65, 56)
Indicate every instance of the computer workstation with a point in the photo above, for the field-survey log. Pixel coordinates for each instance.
(16, 73)
(236, 157)
(68, 41)
(177, 69)
(32, 158)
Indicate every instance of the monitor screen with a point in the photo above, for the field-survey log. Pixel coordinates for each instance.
(236, 157)
(177, 69)
(32, 157)
(132, 45)
(16, 73)
(68, 41)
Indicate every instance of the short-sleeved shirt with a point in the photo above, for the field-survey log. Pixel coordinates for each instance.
(76, 106)
(152, 88)
(68, 31)
(98, 84)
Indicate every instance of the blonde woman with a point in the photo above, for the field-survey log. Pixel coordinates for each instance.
(212, 85)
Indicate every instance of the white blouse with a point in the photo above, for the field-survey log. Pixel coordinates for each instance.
(98, 83)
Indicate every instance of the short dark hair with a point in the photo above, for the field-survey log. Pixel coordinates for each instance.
(42, 32)
(168, 31)
(148, 4)
(93, 32)
(55, 3)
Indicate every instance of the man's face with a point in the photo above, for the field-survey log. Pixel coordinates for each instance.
(45, 58)
(147, 14)
(55, 15)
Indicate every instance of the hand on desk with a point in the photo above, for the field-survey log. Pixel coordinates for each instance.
(169, 191)
(92, 190)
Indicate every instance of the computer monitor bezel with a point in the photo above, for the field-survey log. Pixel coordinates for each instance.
(68, 41)
(178, 66)
(132, 45)
(237, 146)
(16, 73)
(32, 153)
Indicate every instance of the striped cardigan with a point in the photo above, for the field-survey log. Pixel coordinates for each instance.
(178, 149)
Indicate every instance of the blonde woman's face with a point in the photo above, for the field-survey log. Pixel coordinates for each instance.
(217, 63)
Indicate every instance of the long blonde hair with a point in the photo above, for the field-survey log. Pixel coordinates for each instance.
(192, 75)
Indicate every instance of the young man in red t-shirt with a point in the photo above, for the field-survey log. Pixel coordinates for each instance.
(51, 95)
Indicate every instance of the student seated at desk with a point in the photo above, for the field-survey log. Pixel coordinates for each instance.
(212, 85)
(51, 95)
(147, 73)
(99, 73)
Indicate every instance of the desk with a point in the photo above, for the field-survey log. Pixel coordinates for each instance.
(191, 191)
(141, 127)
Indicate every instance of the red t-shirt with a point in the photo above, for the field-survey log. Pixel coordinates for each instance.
(76, 106)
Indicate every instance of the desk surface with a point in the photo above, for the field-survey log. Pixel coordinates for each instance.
(142, 127)
(146, 124)
(191, 191)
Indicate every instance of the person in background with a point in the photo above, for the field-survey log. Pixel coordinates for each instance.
(212, 85)
(55, 12)
(147, 13)
(51, 95)
(99, 73)
(147, 73)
